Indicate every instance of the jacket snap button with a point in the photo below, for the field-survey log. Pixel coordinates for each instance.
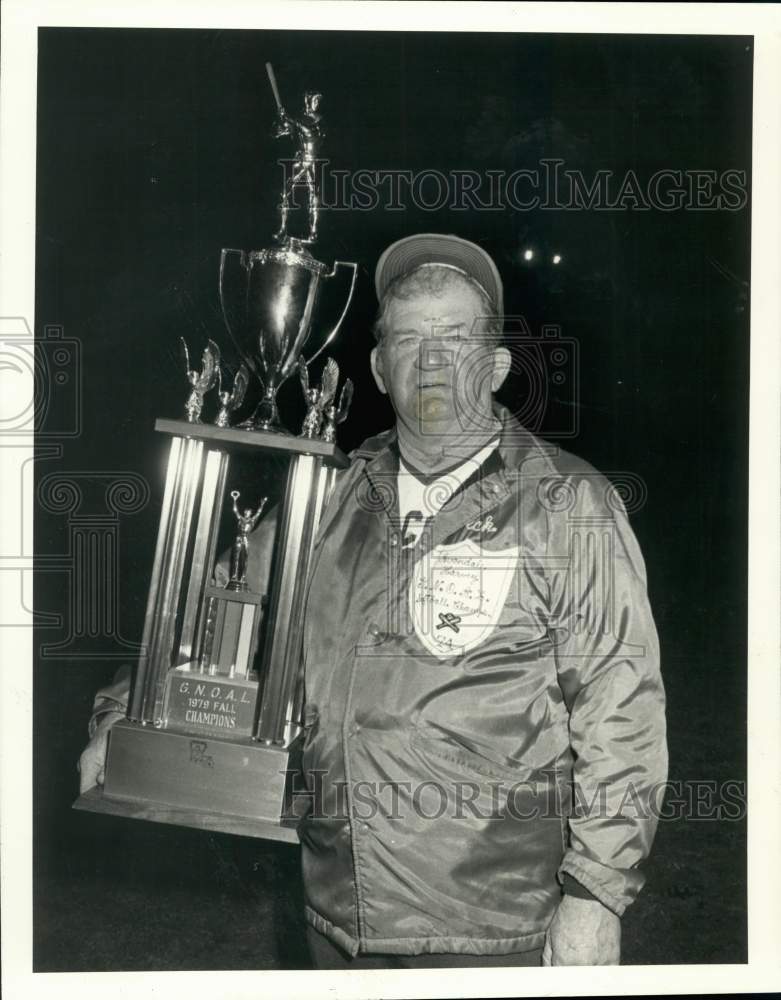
(374, 632)
(394, 540)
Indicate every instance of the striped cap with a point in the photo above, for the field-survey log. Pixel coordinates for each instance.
(410, 253)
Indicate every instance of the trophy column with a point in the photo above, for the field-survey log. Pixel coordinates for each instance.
(278, 713)
(188, 476)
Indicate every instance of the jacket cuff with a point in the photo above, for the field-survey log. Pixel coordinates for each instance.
(113, 698)
(100, 714)
(615, 888)
(571, 887)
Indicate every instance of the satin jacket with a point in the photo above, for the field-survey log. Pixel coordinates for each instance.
(484, 712)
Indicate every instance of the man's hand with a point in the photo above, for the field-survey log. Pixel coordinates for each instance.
(92, 762)
(583, 932)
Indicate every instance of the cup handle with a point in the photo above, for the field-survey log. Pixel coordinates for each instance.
(333, 333)
(243, 262)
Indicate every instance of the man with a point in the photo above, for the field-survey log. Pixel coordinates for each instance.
(484, 710)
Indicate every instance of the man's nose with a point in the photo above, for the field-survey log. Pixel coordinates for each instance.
(433, 357)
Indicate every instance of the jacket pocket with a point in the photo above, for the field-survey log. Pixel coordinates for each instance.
(564, 795)
(431, 738)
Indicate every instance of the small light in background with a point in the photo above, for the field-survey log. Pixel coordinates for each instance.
(528, 254)
(557, 258)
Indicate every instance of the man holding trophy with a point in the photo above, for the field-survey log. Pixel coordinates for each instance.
(482, 722)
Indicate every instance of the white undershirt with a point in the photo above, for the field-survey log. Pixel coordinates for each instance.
(430, 498)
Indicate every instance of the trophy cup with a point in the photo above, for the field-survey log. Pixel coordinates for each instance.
(274, 292)
(213, 729)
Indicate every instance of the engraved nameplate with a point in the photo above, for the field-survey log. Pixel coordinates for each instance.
(199, 703)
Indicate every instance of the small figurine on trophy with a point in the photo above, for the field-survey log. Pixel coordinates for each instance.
(231, 401)
(307, 133)
(246, 522)
(317, 397)
(335, 415)
(200, 381)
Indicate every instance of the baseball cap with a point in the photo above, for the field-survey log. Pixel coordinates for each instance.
(439, 248)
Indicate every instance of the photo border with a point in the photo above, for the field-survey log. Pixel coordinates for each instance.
(21, 19)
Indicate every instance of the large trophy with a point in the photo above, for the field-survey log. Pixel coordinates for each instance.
(213, 730)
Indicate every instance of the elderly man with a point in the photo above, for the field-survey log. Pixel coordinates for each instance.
(484, 711)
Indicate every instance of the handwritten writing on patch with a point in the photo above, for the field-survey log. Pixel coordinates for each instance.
(460, 581)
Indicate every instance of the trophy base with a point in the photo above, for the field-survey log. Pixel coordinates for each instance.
(96, 801)
(264, 427)
(202, 781)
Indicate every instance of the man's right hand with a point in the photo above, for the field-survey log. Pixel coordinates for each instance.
(92, 763)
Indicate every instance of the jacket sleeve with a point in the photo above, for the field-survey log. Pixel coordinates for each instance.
(113, 698)
(607, 660)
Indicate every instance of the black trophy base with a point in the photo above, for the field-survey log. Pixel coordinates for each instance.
(206, 782)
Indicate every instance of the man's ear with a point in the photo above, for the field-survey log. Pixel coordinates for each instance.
(376, 362)
(502, 361)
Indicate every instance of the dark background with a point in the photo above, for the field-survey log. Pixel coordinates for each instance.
(154, 151)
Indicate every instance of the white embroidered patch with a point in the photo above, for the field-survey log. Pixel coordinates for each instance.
(457, 594)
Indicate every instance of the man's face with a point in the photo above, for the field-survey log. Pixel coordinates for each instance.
(437, 363)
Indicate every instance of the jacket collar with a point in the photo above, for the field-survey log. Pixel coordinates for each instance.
(515, 445)
(482, 494)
